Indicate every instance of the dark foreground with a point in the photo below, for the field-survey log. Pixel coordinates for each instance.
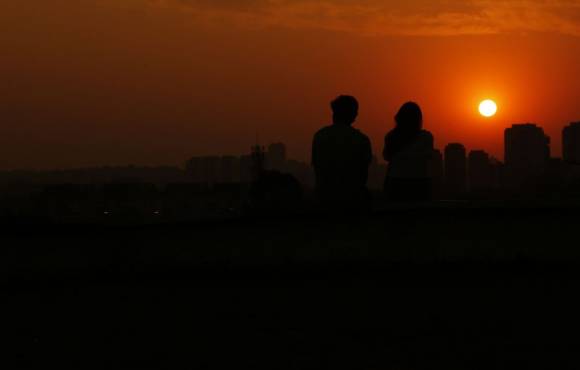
(441, 287)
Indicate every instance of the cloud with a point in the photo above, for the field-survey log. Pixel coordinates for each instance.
(389, 17)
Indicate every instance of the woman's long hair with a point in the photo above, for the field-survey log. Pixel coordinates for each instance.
(409, 119)
(408, 125)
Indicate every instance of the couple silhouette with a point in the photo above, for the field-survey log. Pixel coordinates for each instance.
(341, 156)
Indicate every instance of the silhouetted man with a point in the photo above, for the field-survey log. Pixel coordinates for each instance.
(341, 156)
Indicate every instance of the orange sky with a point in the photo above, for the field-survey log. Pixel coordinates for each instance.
(148, 82)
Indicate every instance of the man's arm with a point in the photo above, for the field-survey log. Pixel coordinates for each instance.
(368, 151)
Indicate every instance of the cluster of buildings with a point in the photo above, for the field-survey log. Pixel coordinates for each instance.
(528, 163)
(455, 171)
(227, 169)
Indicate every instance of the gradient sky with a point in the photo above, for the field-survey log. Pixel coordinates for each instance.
(150, 82)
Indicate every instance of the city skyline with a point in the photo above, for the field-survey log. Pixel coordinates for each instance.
(558, 149)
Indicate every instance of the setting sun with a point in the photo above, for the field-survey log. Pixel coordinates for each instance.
(488, 108)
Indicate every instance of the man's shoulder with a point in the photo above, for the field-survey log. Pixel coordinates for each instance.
(326, 130)
(362, 136)
(426, 137)
(334, 130)
(426, 134)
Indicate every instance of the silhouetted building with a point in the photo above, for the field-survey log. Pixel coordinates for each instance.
(455, 168)
(276, 156)
(246, 168)
(479, 171)
(204, 169)
(436, 167)
(553, 179)
(193, 169)
(571, 143)
(436, 171)
(210, 168)
(497, 173)
(527, 152)
(258, 161)
(229, 169)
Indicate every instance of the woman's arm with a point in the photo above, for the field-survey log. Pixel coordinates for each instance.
(427, 144)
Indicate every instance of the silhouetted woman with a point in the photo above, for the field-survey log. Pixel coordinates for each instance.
(408, 149)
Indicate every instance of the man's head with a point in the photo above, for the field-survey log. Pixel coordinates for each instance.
(344, 110)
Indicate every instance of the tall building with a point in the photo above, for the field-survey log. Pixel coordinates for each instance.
(229, 169)
(479, 170)
(210, 169)
(571, 143)
(527, 153)
(455, 168)
(193, 169)
(436, 166)
(245, 168)
(204, 169)
(258, 161)
(436, 172)
(276, 156)
(497, 173)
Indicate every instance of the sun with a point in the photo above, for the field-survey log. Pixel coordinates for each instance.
(488, 108)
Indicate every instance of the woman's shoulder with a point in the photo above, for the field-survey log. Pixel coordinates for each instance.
(426, 136)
